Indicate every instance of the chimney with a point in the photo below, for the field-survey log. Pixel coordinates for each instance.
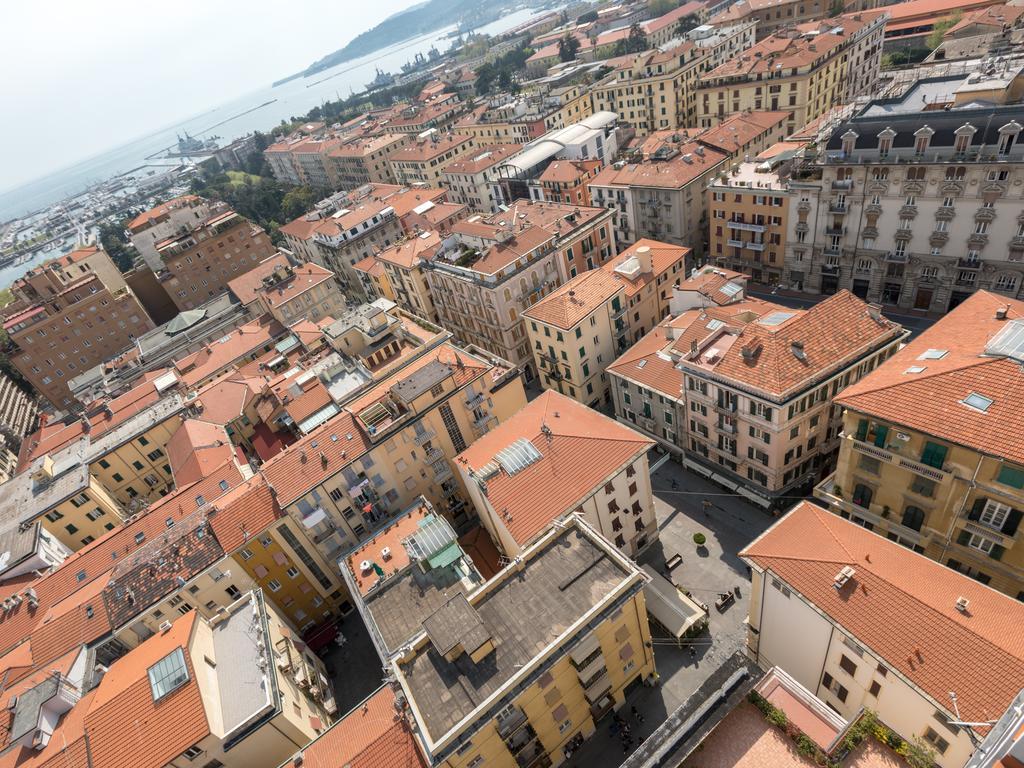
(1001, 312)
(643, 255)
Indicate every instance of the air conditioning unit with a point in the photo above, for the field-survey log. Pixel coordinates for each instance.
(164, 626)
(386, 553)
(962, 603)
(16, 599)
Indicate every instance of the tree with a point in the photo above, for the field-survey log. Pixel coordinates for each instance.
(568, 47)
(688, 22)
(7, 367)
(634, 43)
(118, 248)
(661, 7)
(934, 39)
(586, 18)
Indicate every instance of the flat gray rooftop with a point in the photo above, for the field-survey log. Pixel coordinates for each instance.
(244, 687)
(400, 606)
(523, 613)
(422, 380)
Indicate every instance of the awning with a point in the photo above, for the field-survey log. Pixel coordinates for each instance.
(672, 609)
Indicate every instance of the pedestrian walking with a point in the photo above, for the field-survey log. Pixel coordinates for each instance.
(636, 714)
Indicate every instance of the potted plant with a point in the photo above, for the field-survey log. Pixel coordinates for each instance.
(699, 539)
(885, 511)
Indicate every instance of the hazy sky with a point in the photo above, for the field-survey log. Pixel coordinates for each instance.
(79, 77)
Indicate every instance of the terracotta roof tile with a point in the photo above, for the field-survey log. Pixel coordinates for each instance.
(902, 606)
(930, 400)
(370, 736)
(126, 727)
(408, 253)
(584, 447)
(243, 513)
(673, 174)
(399, 528)
(569, 304)
(195, 448)
(248, 286)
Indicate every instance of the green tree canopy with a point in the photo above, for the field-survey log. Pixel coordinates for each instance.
(568, 47)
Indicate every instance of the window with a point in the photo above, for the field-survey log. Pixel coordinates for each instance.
(192, 752)
(1011, 476)
(994, 514)
(168, 674)
(246, 554)
(875, 688)
(846, 664)
(232, 591)
(273, 585)
(939, 743)
(862, 495)
(913, 518)
(934, 455)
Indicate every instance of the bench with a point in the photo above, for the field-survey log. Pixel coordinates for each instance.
(673, 562)
(724, 600)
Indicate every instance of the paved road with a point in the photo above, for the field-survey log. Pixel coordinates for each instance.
(916, 323)
(732, 523)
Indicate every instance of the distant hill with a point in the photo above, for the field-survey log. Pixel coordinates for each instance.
(426, 17)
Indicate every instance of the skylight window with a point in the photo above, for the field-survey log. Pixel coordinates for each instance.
(915, 369)
(168, 674)
(933, 354)
(730, 289)
(714, 325)
(641, 364)
(978, 402)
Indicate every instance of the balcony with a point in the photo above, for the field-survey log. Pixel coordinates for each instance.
(837, 208)
(873, 209)
(745, 226)
(977, 239)
(835, 231)
(830, 269)
(826, 491)
(938, 238)
(442, 472)
(832, 250)
(598, 687)
(801, 226)
(945, 212)
(891, 457)
(903, 233)
(869, 231)
(804, 206)
(755, 246)
(841, 185)
(896, 257)
(963, 263)
(482, 423)
(424, 436)
(726, 428)
(433, 455)
(985, 214)
(473, 399)
(1017, 241)
(735, 243)
(908, 211)
(507, 726)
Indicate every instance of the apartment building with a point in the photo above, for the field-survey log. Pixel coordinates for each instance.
(745, 135)
(343, 233)
(424, 161)
(771, 16)
(566, 181)
(663, 29)
(862, 622)
(68, 315)
(662, 197)
(403, 267)
(162, 221)
(748, 209)
(915, 209)
(498, 266)
(374, 279)
(216, 680)
(804, 70)
(471, 179)
(742, 391)
(556, 457)
(579, 329)
(437, 114)
(292, 293)
(519, 705)
(364, 160)
(19, 413)
(392, 443)
(198, 263)
(654, 90)
(926, 460)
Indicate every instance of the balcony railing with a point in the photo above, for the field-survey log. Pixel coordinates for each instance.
(932, 473)
(838, 208)
(745, 226)
(424, 436)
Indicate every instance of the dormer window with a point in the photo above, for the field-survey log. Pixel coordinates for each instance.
(885, 142)
(849, 142)
(1008, 136)
(964, 136)
(922, 140)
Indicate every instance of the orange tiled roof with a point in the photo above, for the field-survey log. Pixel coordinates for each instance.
(733, 133)
(225, 399)
(569, 304)
(409, 253)
(126, 727)
(930, 400)
(482, 158)
(370, 736)
(306, 276)
(195, 448)
(567, 171)
(248, 285)
(657, 372)
(299, 467)
(143, 219)
(583, 449)
(832, 332)
(902, 606)
(663, 256)
(390, 537)
(425, 149)
(672, 174)
(221, 353)
(243, 513)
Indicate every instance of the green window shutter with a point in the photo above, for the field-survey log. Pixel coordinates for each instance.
(934, 455)
(975, 513)
(579, 332)
(1011, 476)
(862, 429)
(963, 538)
(881, 432)
(997, 552)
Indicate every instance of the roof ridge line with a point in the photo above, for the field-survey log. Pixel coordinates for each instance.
(922, 376)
